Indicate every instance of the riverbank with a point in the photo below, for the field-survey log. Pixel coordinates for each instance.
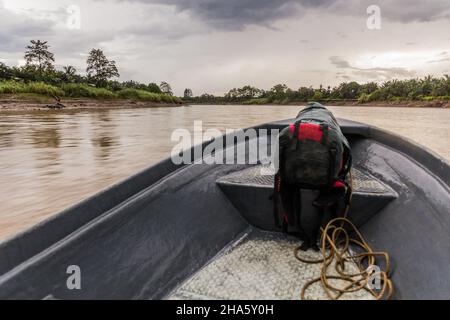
(14, 104)
(17, 95)
(442, 104)
(398, 104)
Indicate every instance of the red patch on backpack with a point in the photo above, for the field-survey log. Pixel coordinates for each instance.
(339, 184)
(308, 131)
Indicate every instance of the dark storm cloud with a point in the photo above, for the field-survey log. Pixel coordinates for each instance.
(373, 73)
(236, 14)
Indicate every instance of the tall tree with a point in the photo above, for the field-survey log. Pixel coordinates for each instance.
(38, 54)
(99, 68)
(165, 88)
(278, 92)
(187, 93)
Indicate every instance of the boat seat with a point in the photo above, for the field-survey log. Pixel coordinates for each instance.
(250, 191)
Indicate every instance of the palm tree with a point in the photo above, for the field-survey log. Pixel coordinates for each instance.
(69, 73)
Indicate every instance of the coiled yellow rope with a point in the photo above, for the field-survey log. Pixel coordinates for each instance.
(335, 239)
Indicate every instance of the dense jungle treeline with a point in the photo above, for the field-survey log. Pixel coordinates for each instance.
(420, 89)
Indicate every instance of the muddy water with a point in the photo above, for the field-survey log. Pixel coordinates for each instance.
(49, 160)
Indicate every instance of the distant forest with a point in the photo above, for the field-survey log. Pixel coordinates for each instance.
(424, 89)
(39, 77)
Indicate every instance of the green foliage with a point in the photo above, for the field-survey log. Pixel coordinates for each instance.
(40, 88)
(11, 87)
(244, 93)
(76, 90)
(363, 98)
(153, 87)
(305, 94)
(346, 90)
(318, 96)
(43, 89)
(209, 98)
(256, 101)
(368, 88)
(136, 94)
(278, 93)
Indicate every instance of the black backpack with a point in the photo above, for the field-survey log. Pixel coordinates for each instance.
(313, 154)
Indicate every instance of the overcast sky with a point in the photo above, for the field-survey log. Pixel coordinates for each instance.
(214, 45)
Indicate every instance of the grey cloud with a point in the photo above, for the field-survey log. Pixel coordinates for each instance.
(15, 29)
(372, 73)
(342, 75)
(444, 56)
(340, 63)
(404, 11)
(384, 73)
(415, 10)
(441, 60)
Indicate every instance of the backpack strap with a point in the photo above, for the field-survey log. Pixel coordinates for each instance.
(324, 128)
(348, 197)
(331, 167)
(276, 200)
(294, 138)
(348, 165)
(349, 162)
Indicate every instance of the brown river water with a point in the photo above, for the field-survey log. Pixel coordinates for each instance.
(53, 159)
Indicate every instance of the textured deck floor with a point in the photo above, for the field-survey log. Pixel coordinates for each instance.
(260, 176)
(260, 266)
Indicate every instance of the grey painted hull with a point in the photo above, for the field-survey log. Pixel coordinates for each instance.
(142, 238)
